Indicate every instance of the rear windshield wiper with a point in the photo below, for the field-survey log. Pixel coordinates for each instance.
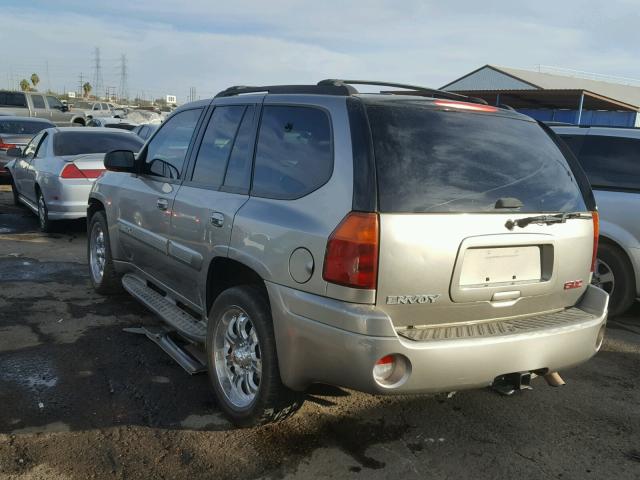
(544, 219)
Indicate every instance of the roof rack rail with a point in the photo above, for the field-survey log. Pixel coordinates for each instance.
(344, 90)
(413, 89)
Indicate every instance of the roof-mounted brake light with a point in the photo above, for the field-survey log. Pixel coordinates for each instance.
(465, 106)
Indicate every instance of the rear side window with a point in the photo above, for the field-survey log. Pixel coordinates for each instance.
(294, 155)
(38, 101)
(13, 99)
(430, 160)
(216, 145)
(76, 143)
(611, 162)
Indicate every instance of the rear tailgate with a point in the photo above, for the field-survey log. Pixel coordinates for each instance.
(449, 180)
(435, 271)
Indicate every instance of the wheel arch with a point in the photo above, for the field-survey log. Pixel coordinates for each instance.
(224, 273)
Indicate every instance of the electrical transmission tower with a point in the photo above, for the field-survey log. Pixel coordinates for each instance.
(97, 78)
(123, 90)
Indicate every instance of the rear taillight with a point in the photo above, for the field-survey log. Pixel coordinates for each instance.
(71, 170)
(351, 258)
(6, 146)
(596, 234)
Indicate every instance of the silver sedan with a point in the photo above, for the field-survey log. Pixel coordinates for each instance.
(54, 173)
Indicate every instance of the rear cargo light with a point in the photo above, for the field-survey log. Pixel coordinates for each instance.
(6, 146)
(71, 170)
(596, 234)
(466, 106)
(351, 258)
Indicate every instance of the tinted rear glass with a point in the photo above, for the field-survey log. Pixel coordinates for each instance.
(13, 99)
(611, 162)
(430, 160)
(294, 155)
(22, 127)
(77, 143)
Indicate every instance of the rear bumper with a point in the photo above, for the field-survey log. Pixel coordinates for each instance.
(312, 351)
(68, 200)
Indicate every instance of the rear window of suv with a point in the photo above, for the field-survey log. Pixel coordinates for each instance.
(13, 99)
(430, 160)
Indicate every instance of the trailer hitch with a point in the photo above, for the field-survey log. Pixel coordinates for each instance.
(509, 383)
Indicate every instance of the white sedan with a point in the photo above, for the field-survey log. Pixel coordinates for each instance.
(54, 173)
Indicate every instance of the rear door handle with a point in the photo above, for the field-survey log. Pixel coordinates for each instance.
(217, 219)
(163, 204)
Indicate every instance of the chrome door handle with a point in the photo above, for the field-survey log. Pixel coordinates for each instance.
(217, 219)
(162, 204)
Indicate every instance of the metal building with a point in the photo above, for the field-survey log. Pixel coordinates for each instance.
(554, 97)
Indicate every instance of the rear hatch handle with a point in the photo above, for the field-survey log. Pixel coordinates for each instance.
(544, 219)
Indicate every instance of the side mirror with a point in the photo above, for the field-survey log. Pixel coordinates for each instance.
(15, 152)
(120, 161)
(64, 108)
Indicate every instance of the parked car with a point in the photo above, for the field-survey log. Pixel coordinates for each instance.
(390, 244)
(611, 158)
(145, 130)
(16, 132)
(53, 174)
(93, 109)
(44, 106)
(110, 122)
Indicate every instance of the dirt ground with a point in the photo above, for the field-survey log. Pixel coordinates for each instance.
(80, 398)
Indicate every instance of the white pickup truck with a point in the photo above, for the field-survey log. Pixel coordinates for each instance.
(41, 105)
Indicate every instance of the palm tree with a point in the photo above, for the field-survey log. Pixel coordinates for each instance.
(24, 85)
(35, 79)
(86, 88)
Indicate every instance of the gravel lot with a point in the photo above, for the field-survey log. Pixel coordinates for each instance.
(80, 398)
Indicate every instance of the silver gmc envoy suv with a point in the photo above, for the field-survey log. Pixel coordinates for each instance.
(391, 243)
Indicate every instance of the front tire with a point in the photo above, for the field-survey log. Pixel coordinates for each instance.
(102, 273)
(614, 275)
(243, 361)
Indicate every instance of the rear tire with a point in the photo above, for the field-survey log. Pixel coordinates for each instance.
(46, 225)
(614, 274)
(243, 361)
(14, 191)
(102, 273)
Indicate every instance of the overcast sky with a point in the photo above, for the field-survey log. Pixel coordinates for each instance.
(174, 45)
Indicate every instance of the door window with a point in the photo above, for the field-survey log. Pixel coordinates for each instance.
(30, 149)
(611, 162)
(216, 145)
(166, 152)
(294, 155)
(238, 174)
(41, 151)
(54, 102)
(38, 101)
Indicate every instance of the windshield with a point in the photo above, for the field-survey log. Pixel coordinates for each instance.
(22, 127)
(77, 143)
(430, 160)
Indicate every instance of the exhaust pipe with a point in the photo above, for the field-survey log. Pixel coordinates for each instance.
(554, 379)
